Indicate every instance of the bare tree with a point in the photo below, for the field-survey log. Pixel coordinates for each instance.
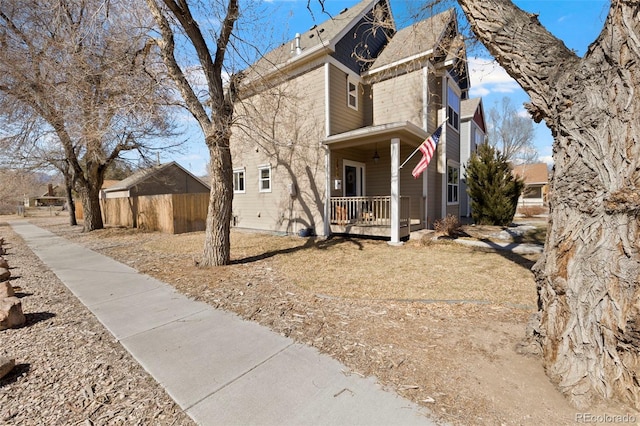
(589, 275)
(213, 112)
(81, 70)
(24, 151)
(511, 133)
(15, 185)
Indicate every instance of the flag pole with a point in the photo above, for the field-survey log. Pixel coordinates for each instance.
(416, 150)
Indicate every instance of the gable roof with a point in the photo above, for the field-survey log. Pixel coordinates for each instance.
(468, 108)
(316, 39)
(532, 173)
(417, 40)
(145, 174)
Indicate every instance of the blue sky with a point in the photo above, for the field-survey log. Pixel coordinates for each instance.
(576, 23)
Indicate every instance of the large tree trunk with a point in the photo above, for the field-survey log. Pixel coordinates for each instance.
(217, 248)
(68, 186)
(589, 275)
(92, 216)
(88, 183)
(70, 202)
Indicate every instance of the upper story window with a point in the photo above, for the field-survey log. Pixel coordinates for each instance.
(453, 108)
(479, 136)
(238, 180)
(264, 178)
(352, 94)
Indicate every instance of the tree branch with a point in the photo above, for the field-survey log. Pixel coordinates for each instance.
(167, 48)
(535, 58)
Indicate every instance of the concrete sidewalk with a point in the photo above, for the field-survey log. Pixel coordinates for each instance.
(220, 369)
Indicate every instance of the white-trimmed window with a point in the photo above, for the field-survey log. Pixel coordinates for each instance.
(352, 94)
(238, 181)
(453, 108)
(264, 178)
(479, 136)
(453, 182)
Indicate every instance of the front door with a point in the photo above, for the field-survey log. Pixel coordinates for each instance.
(354, 179)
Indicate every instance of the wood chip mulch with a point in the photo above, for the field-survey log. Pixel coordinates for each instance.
(69, 369)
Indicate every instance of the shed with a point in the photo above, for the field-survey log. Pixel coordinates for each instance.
(166, 197)
(168, 178)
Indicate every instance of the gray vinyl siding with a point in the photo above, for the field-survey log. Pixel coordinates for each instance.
(343, 118)
(398, 99)
(295, 154)
(454, 210)
(465, 148)
(434, 195)
(453, 144)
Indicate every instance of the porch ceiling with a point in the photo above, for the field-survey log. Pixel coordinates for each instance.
(406, 131)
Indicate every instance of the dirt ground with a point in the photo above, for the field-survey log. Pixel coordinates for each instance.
(425, 318)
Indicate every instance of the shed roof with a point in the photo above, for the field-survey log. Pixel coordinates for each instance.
(145, 174)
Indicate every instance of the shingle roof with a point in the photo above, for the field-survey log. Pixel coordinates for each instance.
(144, 174)
(321, 34)
(137, 177)
(468, 107)
(532, 173)
(414, 39)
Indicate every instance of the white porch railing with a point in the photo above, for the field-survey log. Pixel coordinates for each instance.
(367, 211)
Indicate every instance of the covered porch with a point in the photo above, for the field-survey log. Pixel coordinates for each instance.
(370, 194)
(370, 216)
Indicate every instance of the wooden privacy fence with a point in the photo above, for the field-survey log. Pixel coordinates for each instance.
(169, 213)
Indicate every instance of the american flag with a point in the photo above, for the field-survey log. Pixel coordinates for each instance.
(428, 148)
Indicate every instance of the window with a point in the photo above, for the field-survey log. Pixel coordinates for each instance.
(453, 179)
(453, 108)
(264, 178)
(238, 180)
(479, 136)
(352, 94)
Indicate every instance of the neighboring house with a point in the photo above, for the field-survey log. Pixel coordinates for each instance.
(51, 195)
(326, 121)
(108, 183)
(472, 129)
(536, 183)
(165, 197)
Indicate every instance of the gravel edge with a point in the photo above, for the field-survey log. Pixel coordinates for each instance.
(69, 368)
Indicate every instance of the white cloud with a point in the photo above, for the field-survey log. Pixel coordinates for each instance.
(546, 159)
(487, 77)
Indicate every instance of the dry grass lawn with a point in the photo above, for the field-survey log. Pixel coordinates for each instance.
(372, 269)
(437, 322)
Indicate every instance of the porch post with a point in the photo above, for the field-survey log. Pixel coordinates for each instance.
(395, 191)
(327, 191)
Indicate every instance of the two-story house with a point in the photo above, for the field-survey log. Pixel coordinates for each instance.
(327, 120)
